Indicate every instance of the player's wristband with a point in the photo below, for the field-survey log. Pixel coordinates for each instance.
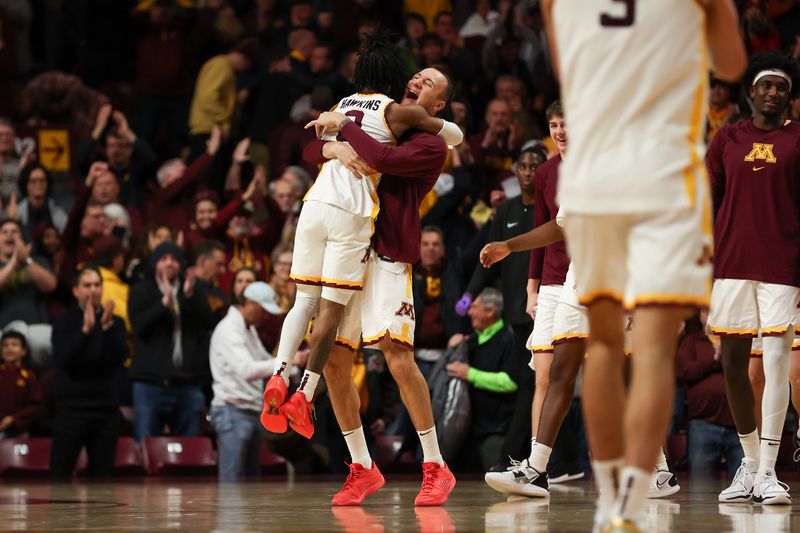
(451, 133)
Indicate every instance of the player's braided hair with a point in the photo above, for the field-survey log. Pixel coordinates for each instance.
(379, 67)
(773, 60)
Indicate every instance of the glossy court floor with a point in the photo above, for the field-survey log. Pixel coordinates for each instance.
(146, 505)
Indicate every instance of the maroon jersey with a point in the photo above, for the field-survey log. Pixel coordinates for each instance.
(755, 183)
(549, 264)
(410, 171)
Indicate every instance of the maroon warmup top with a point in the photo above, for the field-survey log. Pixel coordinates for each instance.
(755, 183)
(409, 172)
(548, 264)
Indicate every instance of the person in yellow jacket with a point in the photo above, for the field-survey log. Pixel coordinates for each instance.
(214, 97)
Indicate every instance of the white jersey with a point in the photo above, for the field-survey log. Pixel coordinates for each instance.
(634, 80)
(335, 184)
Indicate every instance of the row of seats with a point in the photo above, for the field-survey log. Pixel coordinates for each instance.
(158, 456)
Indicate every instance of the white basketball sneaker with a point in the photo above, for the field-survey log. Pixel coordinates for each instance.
(663, 483)
(521, 479)
(741, 489)
(769, 491)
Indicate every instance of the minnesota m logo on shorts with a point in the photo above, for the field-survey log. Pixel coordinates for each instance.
(761, 152)
(406, 309)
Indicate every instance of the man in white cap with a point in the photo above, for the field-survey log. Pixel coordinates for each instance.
(239, 363)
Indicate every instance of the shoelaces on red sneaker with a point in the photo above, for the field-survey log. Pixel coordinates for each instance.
(428, 477)
(352, 477)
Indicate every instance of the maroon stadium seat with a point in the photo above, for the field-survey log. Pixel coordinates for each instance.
(25, 457)
(179, 455)
(128, 460)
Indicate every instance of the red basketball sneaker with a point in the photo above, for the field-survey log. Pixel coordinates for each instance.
(300, 413)
(437, 484)
(359, 484)
(274, 396)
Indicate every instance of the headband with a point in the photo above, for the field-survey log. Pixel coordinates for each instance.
(773, 72)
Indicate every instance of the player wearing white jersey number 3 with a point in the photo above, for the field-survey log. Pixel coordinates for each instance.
(634, 82)
(334, 230)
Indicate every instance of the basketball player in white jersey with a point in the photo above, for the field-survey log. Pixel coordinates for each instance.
(334, 230)
(569, 329)
(634, 82)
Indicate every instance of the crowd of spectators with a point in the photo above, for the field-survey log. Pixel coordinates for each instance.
(151, 169)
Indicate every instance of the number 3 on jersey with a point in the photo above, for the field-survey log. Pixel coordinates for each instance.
(357, 116)
(614, 21)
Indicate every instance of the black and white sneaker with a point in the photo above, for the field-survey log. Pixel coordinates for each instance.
(741, 489)
(520, 479)
(663, 483)
(769, 491)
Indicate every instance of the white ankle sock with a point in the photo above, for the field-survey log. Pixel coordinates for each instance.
(540, 455)
(308, 384)
(750, 445)
(430, 446)
(606, 477)
(357, 446)
(633, 488)
(661, 461)
(294, 329)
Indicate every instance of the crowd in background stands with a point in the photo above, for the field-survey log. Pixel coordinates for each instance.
(160, 142)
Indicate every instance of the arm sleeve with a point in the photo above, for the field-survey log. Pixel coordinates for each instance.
(499, 382)
(419, 157)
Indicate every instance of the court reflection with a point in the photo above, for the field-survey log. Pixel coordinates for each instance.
(519, 514)
(747, 518)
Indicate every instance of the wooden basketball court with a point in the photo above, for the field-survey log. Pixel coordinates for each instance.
(203, 505)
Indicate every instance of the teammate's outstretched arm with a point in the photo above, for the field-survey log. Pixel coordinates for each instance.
(728, 56)
(538, 237)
